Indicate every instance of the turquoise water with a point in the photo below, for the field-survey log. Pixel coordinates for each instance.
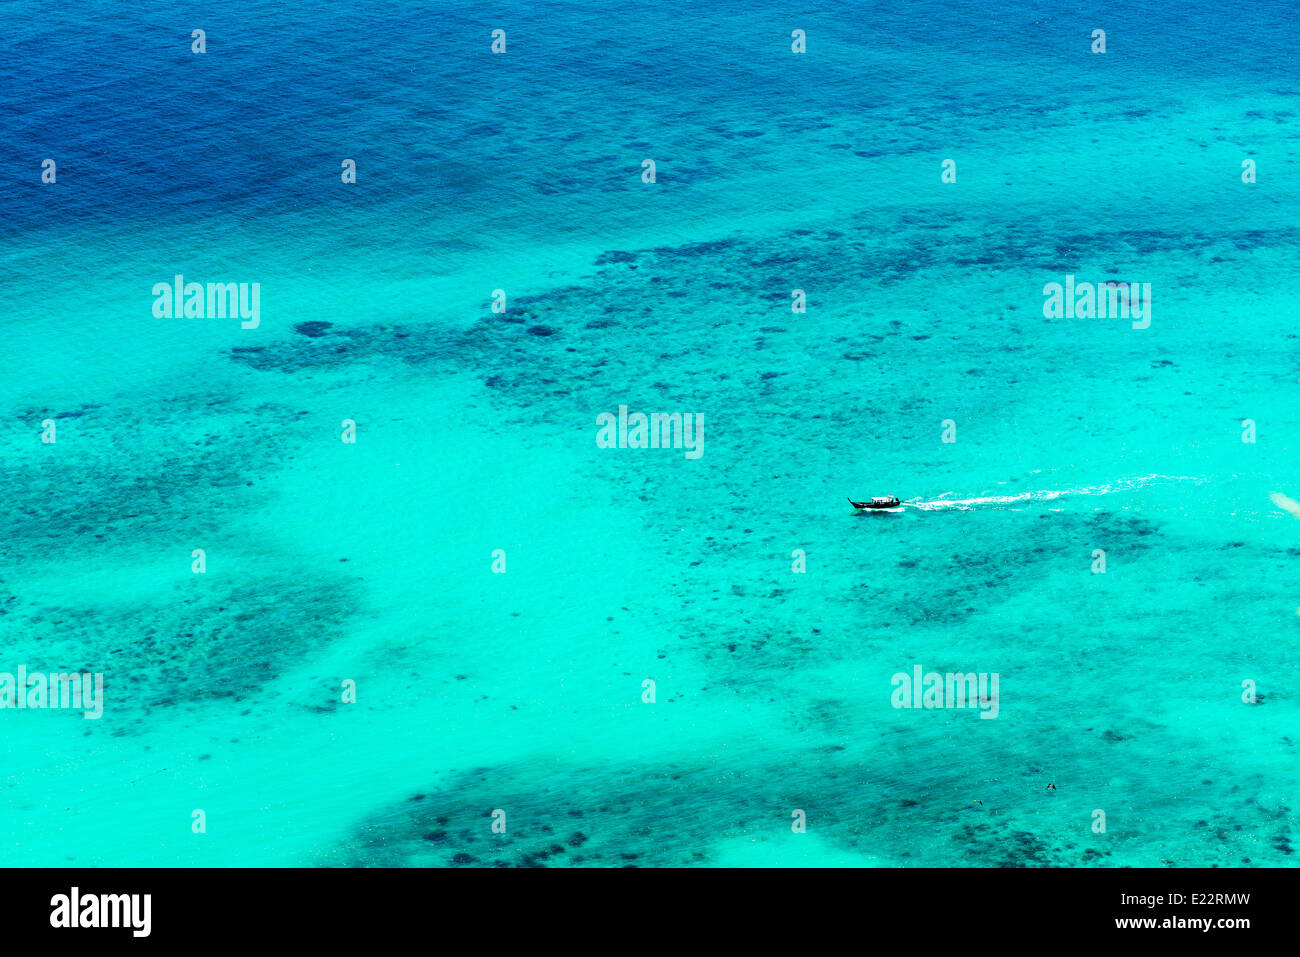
(476, 432)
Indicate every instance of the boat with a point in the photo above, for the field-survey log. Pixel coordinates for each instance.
(880, 501)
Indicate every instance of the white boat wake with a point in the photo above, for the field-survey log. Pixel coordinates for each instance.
(1006, 501)
(1286, 504)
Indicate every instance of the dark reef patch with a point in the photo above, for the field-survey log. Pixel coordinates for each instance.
(615, 256)
(135, 485)
(184, 476)
(194, 645)
(677, 814)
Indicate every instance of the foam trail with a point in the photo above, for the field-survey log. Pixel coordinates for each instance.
(1003, 501)
(1286, 504)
